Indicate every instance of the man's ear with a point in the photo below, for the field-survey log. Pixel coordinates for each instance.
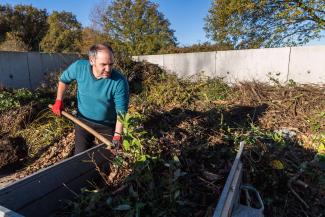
(92, 61)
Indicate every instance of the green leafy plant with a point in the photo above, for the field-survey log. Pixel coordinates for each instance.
(132, 136)
(316, 122)
(292, 83)
(215, 89)
(14, 99)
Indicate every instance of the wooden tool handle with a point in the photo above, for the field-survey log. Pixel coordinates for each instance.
(86, 127)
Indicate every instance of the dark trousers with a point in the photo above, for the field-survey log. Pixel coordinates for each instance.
(85, 140)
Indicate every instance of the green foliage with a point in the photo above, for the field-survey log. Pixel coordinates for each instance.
(14, 99)
(200, 47)
(292, 83)
(136, 26)
(90, 37)
(5, 12)
(132, 136)
(318, 142)
(215, 89)
(25, 22)
(64, 33)
(265, 23)
(172, 91)
(316, 122)
(13, 43)
(255, 134)
(163, 190)
(321, 149)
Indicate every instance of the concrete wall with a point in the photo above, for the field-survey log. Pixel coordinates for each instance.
(28, 69)
(301, 64)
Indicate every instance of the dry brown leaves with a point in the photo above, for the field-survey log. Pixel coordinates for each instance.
(12, 150)
(59, 151)
(15, 119)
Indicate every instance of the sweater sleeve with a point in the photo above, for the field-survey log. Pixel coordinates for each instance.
(121, 97)
(70, 74)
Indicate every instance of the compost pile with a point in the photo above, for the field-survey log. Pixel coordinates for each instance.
(180, 140)
(32, 138)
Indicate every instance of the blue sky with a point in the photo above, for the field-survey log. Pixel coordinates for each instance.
(186, 16)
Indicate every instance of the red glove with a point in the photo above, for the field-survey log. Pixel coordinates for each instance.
(57, 107)
(117, 141)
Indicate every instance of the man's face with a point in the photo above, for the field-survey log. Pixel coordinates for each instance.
(102, 64)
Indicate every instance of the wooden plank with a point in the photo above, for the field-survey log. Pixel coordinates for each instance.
(19, 195)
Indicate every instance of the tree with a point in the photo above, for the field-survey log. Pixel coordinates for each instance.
(265, 23)
(13, 43)
(64, 33)
(204, 47)
(5, 13)
(25, 22)
(90, 37)
(136, 26)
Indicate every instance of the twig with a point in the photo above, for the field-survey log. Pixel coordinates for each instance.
(210, 184)
(106, 158)
(294, 178)
(293, 164)
(103, 175)
(119, 189)
(259, 157)
(303, 184)
(304, 212)
(257, 95)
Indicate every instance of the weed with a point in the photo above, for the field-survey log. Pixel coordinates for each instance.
(132, 136)
(316, 122)
(292, 83)
(215, 89)
(14, 99)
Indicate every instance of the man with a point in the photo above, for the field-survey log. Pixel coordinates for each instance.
(102, 95)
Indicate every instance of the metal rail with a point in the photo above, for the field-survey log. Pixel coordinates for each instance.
(229, 202)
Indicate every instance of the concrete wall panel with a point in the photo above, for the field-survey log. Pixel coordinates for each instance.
(155, 59)
(307, 64)
(28, 69)
(66, 59)
(190, 64)
(253, 64)
(50, 62)
(169, 63)
(35, 69)
(14, 70)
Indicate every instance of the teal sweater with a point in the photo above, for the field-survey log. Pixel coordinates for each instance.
(99, 100)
